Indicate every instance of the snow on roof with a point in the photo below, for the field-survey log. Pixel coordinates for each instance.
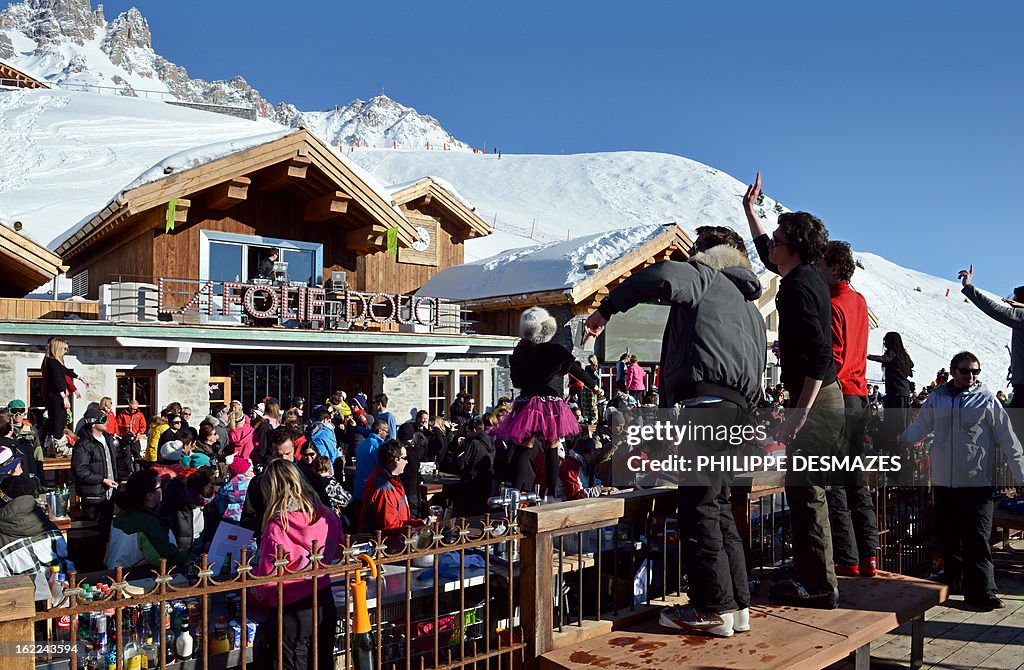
(64, 155)
(547, 267)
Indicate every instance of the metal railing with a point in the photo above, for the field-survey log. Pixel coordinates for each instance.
(465, 616)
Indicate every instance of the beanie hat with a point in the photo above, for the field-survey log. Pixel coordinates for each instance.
(12, 487)
(16, 404)
(9, 457)
(195, 460)
(239, 465)
(94, 415)
(171, 451)
(259, 409)
(536, 325)
(405, 432)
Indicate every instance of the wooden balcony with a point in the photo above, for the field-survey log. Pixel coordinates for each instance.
(22, 308)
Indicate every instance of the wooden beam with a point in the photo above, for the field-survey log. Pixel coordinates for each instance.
(285, 173)
(228, 194)
(367, 238)
(326, 207)
(181, 207)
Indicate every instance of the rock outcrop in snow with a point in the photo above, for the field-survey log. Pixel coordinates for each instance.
(66, 43)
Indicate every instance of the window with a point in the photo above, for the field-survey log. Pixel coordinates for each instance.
(251, 383)
(469, 382)
(136, 385)
(437, 392)
(36, 400)
(230, 257)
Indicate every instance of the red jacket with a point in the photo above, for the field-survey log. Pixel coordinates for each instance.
(385, 507)
(131, 423)
(111, 421)
(850, 338)
(577, 483)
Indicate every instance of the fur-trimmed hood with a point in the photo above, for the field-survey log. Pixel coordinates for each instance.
(734, 265)
(537, 325)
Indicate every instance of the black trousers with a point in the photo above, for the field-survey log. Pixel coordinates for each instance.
(964, 520)
(895, 415)
(712, 550)
(56, 418)
(851, 510)
(297, 636)
(805, 492)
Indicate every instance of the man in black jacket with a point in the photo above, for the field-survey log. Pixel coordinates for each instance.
(713, 356)
(280, 445)
(415, 444)
(476, 469)
(809, 374)
(94, 466)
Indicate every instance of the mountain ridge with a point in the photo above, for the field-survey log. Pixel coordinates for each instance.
(68, 44)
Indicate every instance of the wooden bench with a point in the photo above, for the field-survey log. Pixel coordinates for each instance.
(1006, 521)
(781, 637)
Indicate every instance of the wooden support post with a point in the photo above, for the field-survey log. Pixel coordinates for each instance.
(17, 623)
(326, 206)
(917, 641)
(861, 657)
(285, 173)
(230, 193)
(537, 592)
(367, 238)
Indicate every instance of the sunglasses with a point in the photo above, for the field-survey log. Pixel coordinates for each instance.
(309, 454)
(776, 243)
(17, 412)
(969, 371)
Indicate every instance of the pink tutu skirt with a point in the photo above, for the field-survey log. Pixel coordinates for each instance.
(547, 417)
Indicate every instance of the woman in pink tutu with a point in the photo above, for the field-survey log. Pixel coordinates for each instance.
(538, 368)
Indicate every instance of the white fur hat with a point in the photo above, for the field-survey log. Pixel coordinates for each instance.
(536, 325)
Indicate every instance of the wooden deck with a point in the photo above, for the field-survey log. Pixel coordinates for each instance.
(959, 637)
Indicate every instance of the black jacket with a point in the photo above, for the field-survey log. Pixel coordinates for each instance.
(714, 342)
(476, 469)
(256, 497)
(805, 324)
(540, 369)
(90, 467)
(416, 452)
(55, 376)
(896, 379)
(177, 510)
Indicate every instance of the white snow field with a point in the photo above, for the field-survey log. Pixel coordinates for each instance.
(63, 156)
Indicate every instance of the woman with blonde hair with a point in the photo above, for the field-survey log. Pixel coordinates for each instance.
(293, 521)
(107, 407)
(57, 384)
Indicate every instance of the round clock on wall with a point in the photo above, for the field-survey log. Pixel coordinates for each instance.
(423, 242)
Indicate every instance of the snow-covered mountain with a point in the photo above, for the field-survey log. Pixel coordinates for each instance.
(67, 44)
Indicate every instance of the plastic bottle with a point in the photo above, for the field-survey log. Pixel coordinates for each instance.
(219, 642)
(56, 582)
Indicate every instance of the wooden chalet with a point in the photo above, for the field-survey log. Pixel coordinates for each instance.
(499, 315)
(13, 78)
(293, 193)
(171, 265)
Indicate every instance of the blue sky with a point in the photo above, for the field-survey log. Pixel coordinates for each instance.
(896, 123)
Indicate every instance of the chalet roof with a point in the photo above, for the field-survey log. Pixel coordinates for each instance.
(437, 192)
(572, 271)
(234, 163)
(10, 76)
(24, 264)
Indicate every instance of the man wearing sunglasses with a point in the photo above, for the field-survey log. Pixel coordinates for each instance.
(814, 414)
(968, 425)
(1011, 314)
(26, 437)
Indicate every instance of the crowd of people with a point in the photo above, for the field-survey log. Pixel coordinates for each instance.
(157, 487)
